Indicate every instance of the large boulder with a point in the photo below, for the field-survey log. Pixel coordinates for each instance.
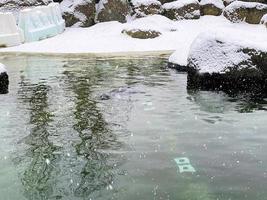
(143, 8)
(182, 9)
(78, 13)
(3, 80)
(211, 7)
(217, 62)
(113, 10)
(245, 11)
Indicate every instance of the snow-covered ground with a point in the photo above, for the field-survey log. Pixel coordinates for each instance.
(106, 38)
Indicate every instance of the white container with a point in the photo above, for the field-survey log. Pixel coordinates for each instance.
(10, 34)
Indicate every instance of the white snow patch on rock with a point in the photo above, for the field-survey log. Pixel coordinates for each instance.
(178, 4)
(153, 22)
(242, 4)
(2, 68)
(145, 2)
(216, 3)
(264, 19)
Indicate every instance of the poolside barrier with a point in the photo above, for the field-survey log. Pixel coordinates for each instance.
(41, 22)
(10, 33)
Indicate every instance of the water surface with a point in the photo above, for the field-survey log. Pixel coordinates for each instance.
(93, 129)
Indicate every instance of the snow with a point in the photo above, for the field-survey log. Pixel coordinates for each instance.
(216, 3)
(241, 4)
(2, 68)
(264, 19)
(107, 39)
(216, 52)
(178, 4)
(157, 23)
(137, 3)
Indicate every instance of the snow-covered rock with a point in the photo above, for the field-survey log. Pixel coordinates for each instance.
(148, 27)
(249, 12)
(15, 6)
(143, 8)
(78, 13)
(227, 2)
(113, 10)
(182, 9)
(220, 62)
(211, 7)
(142, 34)
(264, 20)
(3, 80)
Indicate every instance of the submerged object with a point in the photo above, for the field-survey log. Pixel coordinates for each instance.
(4, 82)
(41, 22)
(10, 34)
(184, 165)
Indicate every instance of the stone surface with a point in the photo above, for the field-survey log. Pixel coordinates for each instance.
(182, 9)
(113, 10)
(142, 34)
(78, 13)
(245, 11)
(144, 8)
(211, 7)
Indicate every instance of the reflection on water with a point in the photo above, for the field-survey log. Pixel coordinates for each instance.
(37, 179)
(95, 135)
(110, 129)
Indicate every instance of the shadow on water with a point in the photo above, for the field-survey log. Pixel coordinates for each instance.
(219, 102)
(37, 179)
(96, 137)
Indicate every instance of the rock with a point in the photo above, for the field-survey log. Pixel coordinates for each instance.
(264, 20)
(4, 82)
(211, 7)
(142, 34)
(182, 9)
(245, 11)
(217, 62)
(143, 8)
(16, 5)
(113, 10)
(78, 13)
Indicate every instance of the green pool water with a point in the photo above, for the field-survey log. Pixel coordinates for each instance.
(92, 129)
